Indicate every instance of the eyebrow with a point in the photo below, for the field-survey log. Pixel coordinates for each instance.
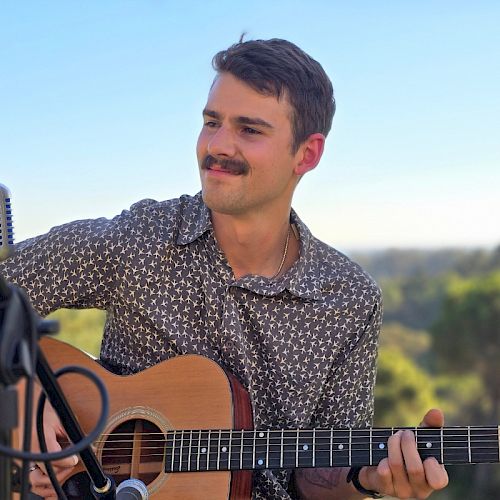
(241, 120)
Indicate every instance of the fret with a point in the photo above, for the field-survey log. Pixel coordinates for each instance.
(468, 443)
(429, 443)
(194, 451)
(314, 448)
(297, 449)
(282, 446)
(173, 451)
(229, 456)
(260, 449)
(267, 449)
(189, 452)
(371, 446)
(380, 437)
(322, 448)
(484, 445)
(305, 448)
(249, 450)
(169, 448)
(442, 446)
(350, 446)
(198, 452)
(165, 442)
(456, 442)
(235, 460)
(214, 450)
(274, 449)
(209, 438)
(275, 456)
(241, 450)
(331, 448)
(289, 449)
(340, 452)
(181, 450)
(204, 440)
(253, 451)
(218, 451)
(224, 450)
(360, 447)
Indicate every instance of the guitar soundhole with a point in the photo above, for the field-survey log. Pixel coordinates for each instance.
(135, 449)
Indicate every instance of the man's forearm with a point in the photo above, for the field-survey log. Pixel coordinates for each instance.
(325, 484)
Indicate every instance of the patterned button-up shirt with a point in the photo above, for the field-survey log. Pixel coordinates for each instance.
(303, 345)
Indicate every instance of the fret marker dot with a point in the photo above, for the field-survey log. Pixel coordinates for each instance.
(305, 447)
(260, 461)
(203, 450)
(341, 446)
(381, 446)
(261, 434)
(429, 445)
(224, 449)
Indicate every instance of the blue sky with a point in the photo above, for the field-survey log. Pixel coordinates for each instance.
(100, 106)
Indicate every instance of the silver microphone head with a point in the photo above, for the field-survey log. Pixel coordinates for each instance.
(6, 228)
(132, 489)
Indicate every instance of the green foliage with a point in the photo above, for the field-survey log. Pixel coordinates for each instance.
(467, 333)
(81, 327)
(414, 344)
(404, 392)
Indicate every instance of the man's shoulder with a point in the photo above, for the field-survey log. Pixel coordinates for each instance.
(179, 220)
(165, 209)
(335, 266)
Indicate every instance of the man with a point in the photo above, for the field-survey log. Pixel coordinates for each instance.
(233, 274)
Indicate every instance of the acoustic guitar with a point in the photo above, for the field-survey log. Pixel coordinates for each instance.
(184, 427)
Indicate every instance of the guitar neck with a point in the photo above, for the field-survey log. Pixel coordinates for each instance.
(209, 450)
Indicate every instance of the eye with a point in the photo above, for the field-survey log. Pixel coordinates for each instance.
(210, 124)
(250, 131)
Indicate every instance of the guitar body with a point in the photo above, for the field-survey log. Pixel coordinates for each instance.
(185, 392)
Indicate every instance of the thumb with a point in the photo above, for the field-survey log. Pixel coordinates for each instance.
(433, 418)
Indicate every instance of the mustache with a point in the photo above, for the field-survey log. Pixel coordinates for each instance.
(233, 166)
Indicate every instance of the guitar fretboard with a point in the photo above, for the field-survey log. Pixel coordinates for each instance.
(210, 450)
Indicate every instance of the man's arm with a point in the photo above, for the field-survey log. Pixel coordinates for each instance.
(329, 483)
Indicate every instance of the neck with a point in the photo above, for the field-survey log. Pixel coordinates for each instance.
(255, 246)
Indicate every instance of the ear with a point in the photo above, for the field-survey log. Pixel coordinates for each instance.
(309, 153)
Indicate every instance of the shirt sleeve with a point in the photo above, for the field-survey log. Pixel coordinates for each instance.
(347, 398)
(72, 266)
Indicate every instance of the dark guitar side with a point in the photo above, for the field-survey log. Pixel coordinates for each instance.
(186, 392)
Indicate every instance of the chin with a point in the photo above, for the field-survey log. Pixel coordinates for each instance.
(222, 204)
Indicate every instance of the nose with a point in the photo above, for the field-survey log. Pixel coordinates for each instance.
(222, 143)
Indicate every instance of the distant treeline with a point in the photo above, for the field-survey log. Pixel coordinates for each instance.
(399, 263)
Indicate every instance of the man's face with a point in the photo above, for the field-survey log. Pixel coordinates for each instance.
(244, 150)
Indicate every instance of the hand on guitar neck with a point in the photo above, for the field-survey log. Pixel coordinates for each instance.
(403, 474)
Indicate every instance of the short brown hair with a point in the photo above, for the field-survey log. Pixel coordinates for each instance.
(278, 67)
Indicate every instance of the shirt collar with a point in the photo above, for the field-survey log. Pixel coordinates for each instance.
(303, 279)
(195, 219)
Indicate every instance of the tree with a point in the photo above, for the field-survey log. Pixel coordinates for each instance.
(466, 336)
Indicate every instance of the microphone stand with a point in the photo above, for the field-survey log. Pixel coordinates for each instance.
(18, 325)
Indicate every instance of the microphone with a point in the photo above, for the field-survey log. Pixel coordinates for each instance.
(6, 238)
(6, 229)
(132, 489)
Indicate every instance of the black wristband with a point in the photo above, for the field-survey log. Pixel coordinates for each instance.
(353, 476)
